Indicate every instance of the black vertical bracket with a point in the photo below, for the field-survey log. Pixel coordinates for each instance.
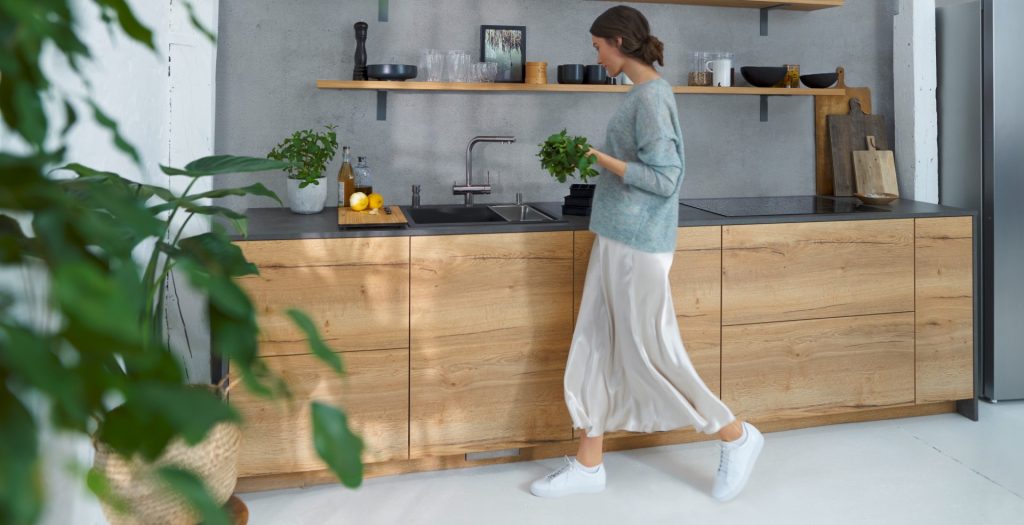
(382, 105)
(764, 108)
(764, 17)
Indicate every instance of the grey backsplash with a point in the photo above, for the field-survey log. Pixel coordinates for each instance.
(271, 53)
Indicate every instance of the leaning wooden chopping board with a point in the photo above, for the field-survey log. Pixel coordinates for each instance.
(832, 105)
(847, 134)
(348, 218)
(875, 169)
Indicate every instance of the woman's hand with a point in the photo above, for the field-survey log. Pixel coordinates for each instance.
(608, 162)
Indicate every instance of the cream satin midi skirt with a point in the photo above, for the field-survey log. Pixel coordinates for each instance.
(627, 367)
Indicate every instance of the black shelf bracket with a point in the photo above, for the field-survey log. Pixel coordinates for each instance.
(382, 105)
(764, 17)
(382, 15)
(764, 108)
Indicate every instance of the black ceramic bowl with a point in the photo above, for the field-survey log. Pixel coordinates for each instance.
(763, 76)
(391, 71)
(819, 80)
(570, 74)
(596, 75)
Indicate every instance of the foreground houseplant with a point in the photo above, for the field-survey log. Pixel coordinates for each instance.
(307, 153)
(92, 351)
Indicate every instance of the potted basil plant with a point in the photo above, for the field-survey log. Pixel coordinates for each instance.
(307, 152)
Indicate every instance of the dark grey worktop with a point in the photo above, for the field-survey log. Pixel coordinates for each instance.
(281, 224)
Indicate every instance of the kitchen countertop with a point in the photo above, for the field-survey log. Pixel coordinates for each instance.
(281, 224)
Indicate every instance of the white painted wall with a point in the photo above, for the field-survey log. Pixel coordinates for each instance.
(914, 101)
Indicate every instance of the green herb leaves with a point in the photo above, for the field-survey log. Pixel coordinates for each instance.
(563, 156)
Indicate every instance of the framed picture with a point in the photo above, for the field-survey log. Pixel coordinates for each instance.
(505, 45)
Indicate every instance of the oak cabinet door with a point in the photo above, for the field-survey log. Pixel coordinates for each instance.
(815, 367)
(490, 329)
(277, 434)
(816, 270)
(355, 290)
(945, 309)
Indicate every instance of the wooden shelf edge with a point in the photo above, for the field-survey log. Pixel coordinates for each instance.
(373, 85)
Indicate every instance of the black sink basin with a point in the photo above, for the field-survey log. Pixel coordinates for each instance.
(453, 215)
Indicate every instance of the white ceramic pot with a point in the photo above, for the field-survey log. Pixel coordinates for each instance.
(307, 200)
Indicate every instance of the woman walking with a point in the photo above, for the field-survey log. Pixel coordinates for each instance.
(627, 367)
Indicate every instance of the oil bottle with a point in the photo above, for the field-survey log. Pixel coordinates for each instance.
(346, 177)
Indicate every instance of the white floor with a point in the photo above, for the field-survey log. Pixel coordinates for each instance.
(934, 470)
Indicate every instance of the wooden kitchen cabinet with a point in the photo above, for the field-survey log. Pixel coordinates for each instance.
(816, 367)
(945, 308)
(490, 329)
(355, 290)
(277, 436)
(816, 270)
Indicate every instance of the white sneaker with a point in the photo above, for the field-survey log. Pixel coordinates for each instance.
(736, 463)
(570, 478)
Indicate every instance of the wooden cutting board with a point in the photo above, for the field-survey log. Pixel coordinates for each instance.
(832, 105)
(347, 218)
(847, 134)
(875, 169)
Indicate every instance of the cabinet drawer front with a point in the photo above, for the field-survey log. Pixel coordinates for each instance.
(807, 368)
(945, 309)
(355, 290)
(782, 272)
(277, 435)
(490, 336)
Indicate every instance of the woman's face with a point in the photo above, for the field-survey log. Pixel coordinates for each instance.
(608, 55)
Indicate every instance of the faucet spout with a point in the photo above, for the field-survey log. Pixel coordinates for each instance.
(469, 189)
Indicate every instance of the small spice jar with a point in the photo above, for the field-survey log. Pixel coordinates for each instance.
(792, 76)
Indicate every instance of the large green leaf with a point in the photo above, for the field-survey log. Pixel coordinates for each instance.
(13, 243)
(224, 164)
(21, 484)
(197, 494)
(337, 445)
(154, 412)
(216, 253)
(87, 294)
(30, 356)
(129, 23)
(320, 349)
(255, 189)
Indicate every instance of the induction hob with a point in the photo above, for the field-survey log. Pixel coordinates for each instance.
(792, 205)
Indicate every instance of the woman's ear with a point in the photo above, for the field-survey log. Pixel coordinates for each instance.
(618, 42)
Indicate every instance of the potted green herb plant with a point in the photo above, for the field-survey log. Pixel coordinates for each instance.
(564, 156)
(307, 153)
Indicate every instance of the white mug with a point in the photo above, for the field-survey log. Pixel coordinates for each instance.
(721, 72)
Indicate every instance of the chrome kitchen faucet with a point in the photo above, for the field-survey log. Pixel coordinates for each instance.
(469, 189)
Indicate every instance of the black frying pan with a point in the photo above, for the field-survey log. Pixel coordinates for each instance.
(391, 71)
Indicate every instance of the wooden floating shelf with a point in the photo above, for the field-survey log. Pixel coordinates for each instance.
(792, 5)
(372, 85)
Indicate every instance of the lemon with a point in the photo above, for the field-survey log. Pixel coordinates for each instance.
(376, 201)
(358, 201)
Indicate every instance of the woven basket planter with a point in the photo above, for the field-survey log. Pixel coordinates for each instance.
(214, 460)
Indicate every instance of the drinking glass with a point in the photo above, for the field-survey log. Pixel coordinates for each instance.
(457, 66)
(431, 64)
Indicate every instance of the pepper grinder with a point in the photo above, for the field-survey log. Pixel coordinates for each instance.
(359, 72)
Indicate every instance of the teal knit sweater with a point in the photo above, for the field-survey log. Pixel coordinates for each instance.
(642, 208)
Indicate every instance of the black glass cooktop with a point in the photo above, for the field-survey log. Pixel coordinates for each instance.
(795, 205)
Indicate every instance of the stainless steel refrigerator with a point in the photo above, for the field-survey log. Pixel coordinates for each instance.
(981, 166)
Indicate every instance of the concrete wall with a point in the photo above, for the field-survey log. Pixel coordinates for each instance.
(272, 52)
